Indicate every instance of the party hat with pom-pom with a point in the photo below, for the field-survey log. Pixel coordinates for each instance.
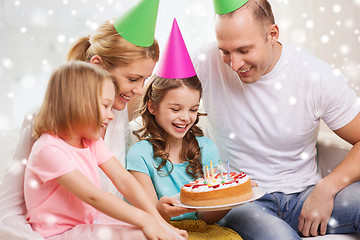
(226, 6)
(137, 25)
(175, 60)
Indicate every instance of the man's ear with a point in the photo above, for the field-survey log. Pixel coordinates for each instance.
(274, 33)
(96, 59)
(151, 107)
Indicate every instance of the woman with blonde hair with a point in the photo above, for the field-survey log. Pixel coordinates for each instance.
(130, 57)
(131, 65)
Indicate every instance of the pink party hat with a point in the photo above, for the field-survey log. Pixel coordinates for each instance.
(175, 60)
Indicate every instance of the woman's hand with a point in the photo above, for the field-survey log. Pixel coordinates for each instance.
(168, 209)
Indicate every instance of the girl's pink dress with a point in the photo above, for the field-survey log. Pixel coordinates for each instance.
(52, 210)
(13, 224)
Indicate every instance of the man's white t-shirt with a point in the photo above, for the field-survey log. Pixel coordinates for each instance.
(269, 128)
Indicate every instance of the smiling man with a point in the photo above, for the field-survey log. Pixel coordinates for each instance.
(264, 101)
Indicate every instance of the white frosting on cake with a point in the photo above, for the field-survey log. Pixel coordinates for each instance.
(216, 183)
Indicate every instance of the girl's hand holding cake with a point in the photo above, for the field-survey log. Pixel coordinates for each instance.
(168, 208)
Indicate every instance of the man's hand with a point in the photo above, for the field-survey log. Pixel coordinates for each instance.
(316, 212)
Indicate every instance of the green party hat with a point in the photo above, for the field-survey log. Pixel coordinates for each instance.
(137, 25)
(226, 6)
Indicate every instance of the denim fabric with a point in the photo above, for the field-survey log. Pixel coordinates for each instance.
(275, 215)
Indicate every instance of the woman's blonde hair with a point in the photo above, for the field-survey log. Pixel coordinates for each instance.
(113, 49)
(72, 99)
(151, 131)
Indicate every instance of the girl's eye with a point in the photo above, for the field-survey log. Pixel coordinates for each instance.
(175, 109)
(132, 79)
(193, 110)
(107, 106)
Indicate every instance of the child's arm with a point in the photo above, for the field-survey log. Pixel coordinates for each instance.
(165, 205)
(128, 186)
(147, 184)
(85, 190)
(132, 190)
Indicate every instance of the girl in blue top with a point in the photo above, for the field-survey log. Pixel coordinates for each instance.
(172, 150)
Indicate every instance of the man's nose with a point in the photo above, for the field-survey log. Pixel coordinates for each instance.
(236, 62)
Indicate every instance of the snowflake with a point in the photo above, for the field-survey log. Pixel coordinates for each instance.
(61, 38)
(7, 63)
(278, 85)
(50, 219)
(337, 8)
(202, 57)
(333, 222)
(304, 156)
(336, 72)
(23, 29)
(344, 49)
(292, 100)
(104, 233)
(232, 135)
(33, 183)
(309, 24)
(325, 39)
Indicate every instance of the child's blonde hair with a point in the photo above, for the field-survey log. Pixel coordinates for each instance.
(113, 49)
(72, 99)
(155, 91)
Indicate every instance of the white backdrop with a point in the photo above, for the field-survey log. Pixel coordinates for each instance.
(36, 35)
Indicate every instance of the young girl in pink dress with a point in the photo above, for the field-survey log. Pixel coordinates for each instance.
(62, 186)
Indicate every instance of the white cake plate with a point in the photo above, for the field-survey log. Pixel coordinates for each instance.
(258, 193)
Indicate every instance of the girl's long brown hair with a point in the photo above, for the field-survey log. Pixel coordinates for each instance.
(152, 132)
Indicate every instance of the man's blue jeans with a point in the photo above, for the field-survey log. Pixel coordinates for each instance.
(275, 215)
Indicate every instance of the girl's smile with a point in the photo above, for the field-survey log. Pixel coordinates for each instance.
(177, 111)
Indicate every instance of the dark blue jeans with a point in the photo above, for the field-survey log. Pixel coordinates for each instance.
(275, 215)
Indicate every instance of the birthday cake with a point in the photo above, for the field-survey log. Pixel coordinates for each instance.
(221, 189)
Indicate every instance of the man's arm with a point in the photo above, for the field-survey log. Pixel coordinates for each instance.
(318, 206)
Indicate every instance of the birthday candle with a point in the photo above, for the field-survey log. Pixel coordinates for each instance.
(212, 170)
(228, 169)
(204, 175)
(221, 171)
(207, 174)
